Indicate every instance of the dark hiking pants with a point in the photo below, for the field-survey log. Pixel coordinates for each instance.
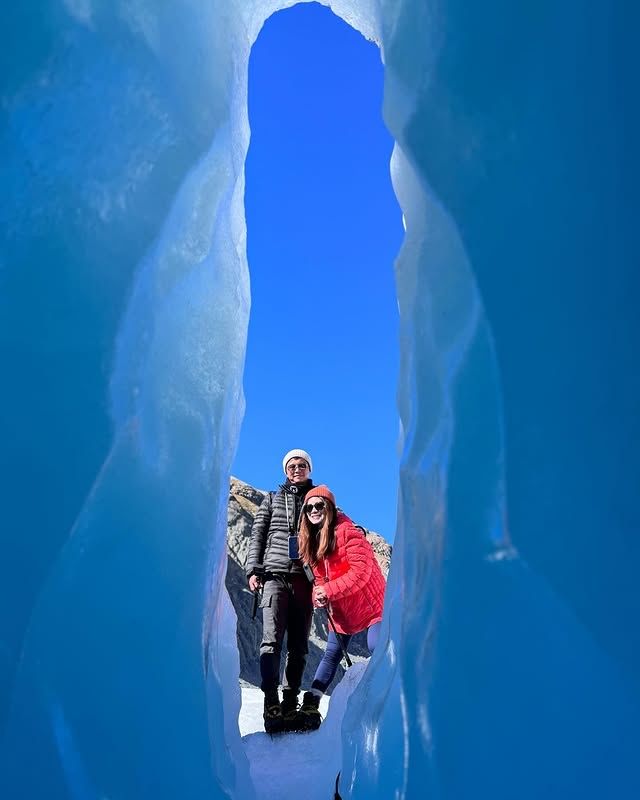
(286, 608)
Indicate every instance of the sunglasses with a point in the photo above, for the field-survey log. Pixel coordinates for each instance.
(314, 507)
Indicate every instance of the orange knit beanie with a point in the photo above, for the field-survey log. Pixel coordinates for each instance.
(320, 491)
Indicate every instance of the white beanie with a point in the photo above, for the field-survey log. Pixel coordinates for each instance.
(296, 454)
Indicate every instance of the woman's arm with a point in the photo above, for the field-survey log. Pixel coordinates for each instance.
(360, 557)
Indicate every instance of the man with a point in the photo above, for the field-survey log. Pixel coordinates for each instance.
(273, 566)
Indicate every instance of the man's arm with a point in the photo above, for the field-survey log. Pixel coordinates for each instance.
(259, 534)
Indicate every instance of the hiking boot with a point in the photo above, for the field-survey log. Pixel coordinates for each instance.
(272, 715)
(309, 718)
(289, 709)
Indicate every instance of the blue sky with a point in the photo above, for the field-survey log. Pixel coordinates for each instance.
(324, 228)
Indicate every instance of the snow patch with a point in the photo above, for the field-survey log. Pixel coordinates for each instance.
(296, 764)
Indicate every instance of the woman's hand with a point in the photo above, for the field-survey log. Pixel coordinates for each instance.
(320, 598)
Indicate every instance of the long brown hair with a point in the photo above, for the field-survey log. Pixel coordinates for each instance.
(316, 542)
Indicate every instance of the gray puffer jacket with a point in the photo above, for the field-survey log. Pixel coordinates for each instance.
(276, 519)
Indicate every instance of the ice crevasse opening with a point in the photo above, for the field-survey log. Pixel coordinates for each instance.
(507, 670)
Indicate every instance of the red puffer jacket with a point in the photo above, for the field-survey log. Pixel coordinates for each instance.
(352, 579)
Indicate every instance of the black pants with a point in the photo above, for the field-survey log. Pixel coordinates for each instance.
(286, 608)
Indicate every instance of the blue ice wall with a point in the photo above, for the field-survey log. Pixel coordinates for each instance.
(511, 658)
(526, 135)
(115, 177)
(96, 137)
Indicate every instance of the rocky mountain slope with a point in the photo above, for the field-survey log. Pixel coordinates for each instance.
(244, 501)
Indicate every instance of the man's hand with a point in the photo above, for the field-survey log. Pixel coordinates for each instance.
(320, 598)
(255, 583)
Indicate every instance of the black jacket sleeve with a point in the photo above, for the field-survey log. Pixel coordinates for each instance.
(259, 536)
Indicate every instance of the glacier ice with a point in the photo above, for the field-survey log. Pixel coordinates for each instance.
(512, 658)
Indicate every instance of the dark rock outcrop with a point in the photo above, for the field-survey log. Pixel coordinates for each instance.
(244, 501)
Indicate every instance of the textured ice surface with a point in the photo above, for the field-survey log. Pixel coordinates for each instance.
(512, 646)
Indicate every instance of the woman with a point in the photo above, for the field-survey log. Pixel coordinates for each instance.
(348, 582)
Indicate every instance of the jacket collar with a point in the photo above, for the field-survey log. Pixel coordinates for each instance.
(299, 489)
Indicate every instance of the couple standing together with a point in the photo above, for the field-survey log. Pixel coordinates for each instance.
(299, 526)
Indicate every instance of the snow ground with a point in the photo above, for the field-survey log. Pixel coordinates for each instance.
(295, 765)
